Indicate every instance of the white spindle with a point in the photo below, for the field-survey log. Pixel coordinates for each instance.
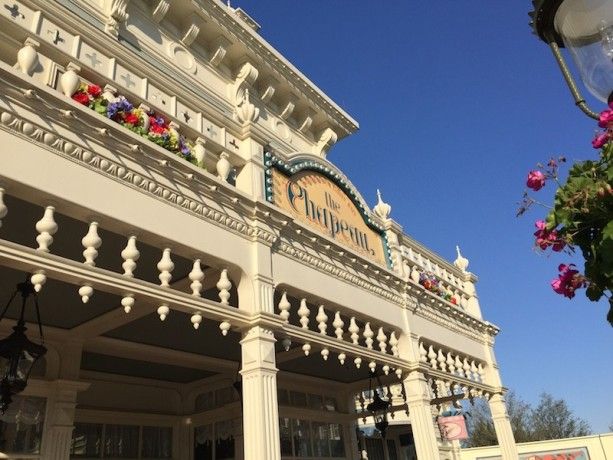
(338, 325)
(196, 276)
(224, 327)
(357, 362)
(38, 279)
(342, 357)
(372, 366)
(46, 227)
(3, 209)
(432, 356)
(165, 266)
(458, 366)
(382, 339)
(423, 354)
(354, 330)
(394, 343)
(130, 255)
(440, 357)
(196, 319)
(86, 291)
(91, 242)
(325, 353)
(303, 313)
(127, 302)
(163, 310)
(284, 307)
(306, 348)
(450, 364)
(474, 371)
(368, 335)
(321, 319)
(386, 369)
(399, 373)
(224, 286)
(466, 368)
(481, 372)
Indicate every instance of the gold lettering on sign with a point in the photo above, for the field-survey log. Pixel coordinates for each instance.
(315, 200)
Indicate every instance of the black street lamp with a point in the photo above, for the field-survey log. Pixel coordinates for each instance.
(585, 28)
(378, 407)
(17, 353)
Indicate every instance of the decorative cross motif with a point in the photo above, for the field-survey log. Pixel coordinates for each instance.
(157, 95)
(56, 36)
(233, 143)
(14, 10)
(93, 59)
(186, 116)
(127, 78)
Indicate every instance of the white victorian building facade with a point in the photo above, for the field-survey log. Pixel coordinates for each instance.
(210, 285)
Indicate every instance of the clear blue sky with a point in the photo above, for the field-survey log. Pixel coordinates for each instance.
(456, 101)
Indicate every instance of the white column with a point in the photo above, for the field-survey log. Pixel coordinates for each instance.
(260, 409)
(420, 414)
(59, 420)
(502, 424)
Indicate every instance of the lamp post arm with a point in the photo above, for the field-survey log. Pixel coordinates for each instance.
(572, 86)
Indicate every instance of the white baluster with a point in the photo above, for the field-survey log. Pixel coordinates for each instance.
(382, 339)
(466, 368)
(38, 279)
(196, 276)
(357, 362)
(306, 348)
(91, 242)
(86, 291)
(322, 319)
(458, 366)
(224, 286)
(394, 343)
(399, 373)
(432, 356)
(415, 274)
(423, 354)
(325, 353)
(3, 209)
(163, 310)
(27, 56)
(46, 227)
(354, 329)
(386, 369)
(342, 357)
(127, 302)
(338, 325)
(474, 371)
(441, 360)
(224, 167)
(450, 364)
(224, 327)
(286, 343)
(70, 81)
(196, 319)
(165, 266)
(368, 335)
(303, 313)
(130, 255)
(372, 366)
(284, 307)
(481, 372)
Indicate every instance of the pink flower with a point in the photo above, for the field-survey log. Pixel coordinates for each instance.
(606, 118)
(536, 180)
(546, 238)
(568, 281)
(601, 140)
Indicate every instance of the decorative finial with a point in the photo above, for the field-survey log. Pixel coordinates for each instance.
(382, 209)
(460, 262)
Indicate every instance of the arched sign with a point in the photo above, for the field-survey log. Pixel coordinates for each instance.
(319, 202)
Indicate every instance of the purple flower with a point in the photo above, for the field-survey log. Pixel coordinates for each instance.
(120, 105)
